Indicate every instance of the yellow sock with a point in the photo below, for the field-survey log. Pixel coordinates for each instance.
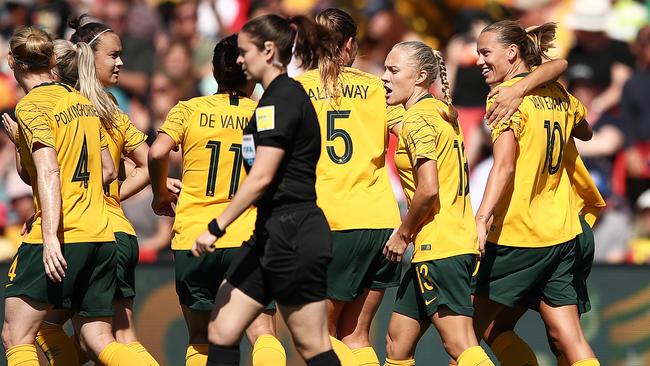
(22, 355)
(344, 353)
(562, 361)
(56, 345)
(117, 354)
(511, 350)
(474, 356)
(409, 362)
(139, 348)
(587, 362)
(268, 351)
(196, 355)
(365, 356)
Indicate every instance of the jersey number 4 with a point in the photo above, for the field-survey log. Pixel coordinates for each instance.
(334, 133)
(551, 132)
(215, 147)
(81, 173)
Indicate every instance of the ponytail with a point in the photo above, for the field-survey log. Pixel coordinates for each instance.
(75, 65)
(314, 46)
(533, 44)
(451, 114)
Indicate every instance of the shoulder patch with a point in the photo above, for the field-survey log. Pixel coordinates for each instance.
(265, 117)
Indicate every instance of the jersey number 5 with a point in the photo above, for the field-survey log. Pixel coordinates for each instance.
(550, 146)
(215, 147)
(333, 133)
(81, 173)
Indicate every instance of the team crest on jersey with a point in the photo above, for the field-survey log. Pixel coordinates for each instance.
(265, 117)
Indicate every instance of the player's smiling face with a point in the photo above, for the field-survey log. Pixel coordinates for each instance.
(108, 61)
(399, 76)
(251, 58)
(492, 58)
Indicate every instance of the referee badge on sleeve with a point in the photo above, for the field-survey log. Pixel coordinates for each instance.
(265, 117)
(248, 149)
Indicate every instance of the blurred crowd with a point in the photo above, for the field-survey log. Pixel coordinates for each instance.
(167, 50)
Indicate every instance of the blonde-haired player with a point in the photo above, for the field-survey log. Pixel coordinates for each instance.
(67, 161)
(431, 162)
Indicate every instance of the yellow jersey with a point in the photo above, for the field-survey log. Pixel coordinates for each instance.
(122, 139)
(57, 116)
(209, 132)
(537, 209)
(450, 228)
(588, 200)
(352, 182)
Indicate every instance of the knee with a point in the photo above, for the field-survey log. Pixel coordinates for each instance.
(356, 340)
(457, 345)
(397, 349)
(220, 335)
(11, 337)
(312, 346)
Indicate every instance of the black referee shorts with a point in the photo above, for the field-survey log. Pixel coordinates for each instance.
(286, 259)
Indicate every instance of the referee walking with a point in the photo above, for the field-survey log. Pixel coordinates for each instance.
(286, 259)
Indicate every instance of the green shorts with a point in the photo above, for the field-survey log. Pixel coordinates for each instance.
(88, 286)
(512, 276)
(127, 259)
(198, 278)
(584, 259)
(358, 263)
(426, 286)
(585, 245)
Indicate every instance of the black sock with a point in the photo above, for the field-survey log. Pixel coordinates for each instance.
(328, 358)
(223, 355)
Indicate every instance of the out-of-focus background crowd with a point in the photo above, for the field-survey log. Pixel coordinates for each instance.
(167, 50)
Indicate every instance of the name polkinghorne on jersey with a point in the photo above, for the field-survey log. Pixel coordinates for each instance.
(347, 91)
(227, 121)
(75, 111)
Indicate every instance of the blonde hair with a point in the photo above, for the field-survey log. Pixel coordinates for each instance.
(424, 58)
(533, 43)
(76, 65)
(32, 49)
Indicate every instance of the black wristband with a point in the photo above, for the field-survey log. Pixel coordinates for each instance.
(214, 229)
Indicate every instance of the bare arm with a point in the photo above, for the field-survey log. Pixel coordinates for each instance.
(138, 177)
(49, 194)
(162, 203)
(610, 97)
(500, 177)
(109, 173)
(509, 98)
(607, 141)
(266, 164)
(11, 128)
(425, 195)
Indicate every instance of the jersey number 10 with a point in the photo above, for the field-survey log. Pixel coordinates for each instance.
(550, 146)
(215, 147)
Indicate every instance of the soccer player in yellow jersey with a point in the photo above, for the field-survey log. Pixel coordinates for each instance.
(67, 161)
(434, 173)
(507, 346)
(209, 132)
(352, 180)
(527, 214)
(123, 138)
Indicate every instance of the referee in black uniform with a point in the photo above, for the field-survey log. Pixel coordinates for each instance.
(286, 258)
